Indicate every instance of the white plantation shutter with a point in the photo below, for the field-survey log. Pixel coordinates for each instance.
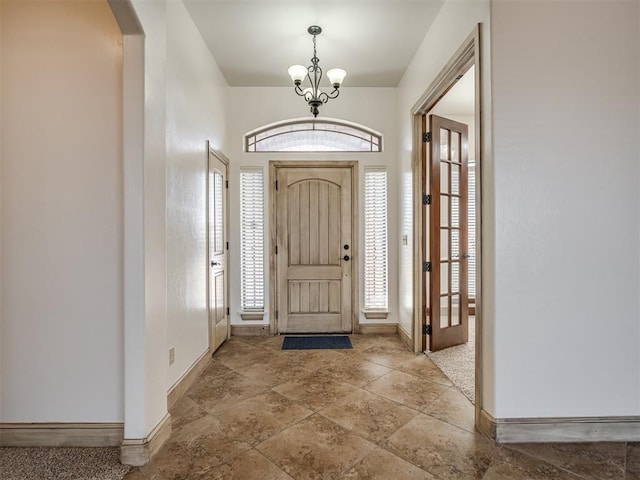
(471, 175)
(252, 239)
(375, 239)
(471, 231)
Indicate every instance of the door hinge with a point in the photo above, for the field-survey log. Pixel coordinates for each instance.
(226, 183)
(227, 245)
(426, 329)
(276, 249)
(426, 138)
(277, 315)
(228, 311)
(426, 266)
(276, 184)
(426, 199)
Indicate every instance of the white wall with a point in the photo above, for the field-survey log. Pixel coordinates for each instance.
(184, 107)
(251, 108)
(196, 93)
(565, 109)
(62, 331)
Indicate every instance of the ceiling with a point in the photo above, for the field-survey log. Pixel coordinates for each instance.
(255, 42)
(460, 100)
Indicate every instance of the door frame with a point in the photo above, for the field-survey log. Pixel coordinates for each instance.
(467, 55)
(225, 161)
(274, 165)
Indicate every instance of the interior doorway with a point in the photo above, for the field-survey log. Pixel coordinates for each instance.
(217, 249)
(447, 165)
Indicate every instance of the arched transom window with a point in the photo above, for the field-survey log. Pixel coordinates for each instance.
(306, 135)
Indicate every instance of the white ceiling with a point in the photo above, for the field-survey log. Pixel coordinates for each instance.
(254, 42)
(460, 100)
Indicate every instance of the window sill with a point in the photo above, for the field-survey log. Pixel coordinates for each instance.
(376, 314)
(252, 316)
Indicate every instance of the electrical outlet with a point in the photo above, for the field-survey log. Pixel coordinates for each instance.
(172, 355)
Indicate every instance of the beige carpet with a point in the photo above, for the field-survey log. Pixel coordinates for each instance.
(61, 463)
(458, 363)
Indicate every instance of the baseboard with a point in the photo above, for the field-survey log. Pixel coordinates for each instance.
(61, 434)
(139, 451)
(378, 328)
(249, 330)
(405, 337)
(182, 385)
(564, 429)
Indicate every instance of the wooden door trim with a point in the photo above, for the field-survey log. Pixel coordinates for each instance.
(274, 165)
(225, 161)
(467, 55)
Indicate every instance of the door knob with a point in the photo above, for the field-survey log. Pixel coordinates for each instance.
(213, 264)
(346, 257)
(346, 247)
(465, 256)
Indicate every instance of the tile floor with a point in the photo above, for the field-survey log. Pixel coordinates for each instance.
(374, 412)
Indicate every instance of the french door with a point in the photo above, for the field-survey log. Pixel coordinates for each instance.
(448, 232)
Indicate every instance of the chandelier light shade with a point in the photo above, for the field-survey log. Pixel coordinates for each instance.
(313, 95)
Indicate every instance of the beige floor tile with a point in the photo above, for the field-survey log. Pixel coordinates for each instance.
(207, 442)
(315, 449)
(250, 465)
(312, 359)
(383, 465)
(391, 342)
(185, 410)
(602, 461)
(423, 366)
(314, 391)
(260, 417)
(355, 371)
(446, 451)
(215, 369)
(238, 355)
(511, 465)
(454, 408)
(407, 389)
(223, 392)
(135, 474)
(392, 358)
(173, 461)
(369, 415)
(258, 340)
(275, 372)
(633, 461)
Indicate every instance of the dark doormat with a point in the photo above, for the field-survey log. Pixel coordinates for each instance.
(313, 343)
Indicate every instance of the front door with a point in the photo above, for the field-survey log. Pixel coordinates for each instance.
(448, 253)
(314, 249)
(217, 241)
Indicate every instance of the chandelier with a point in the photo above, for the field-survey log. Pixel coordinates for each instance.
(313, 95)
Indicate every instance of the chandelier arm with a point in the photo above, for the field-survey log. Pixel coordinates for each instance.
(323, 97)
(333, 94)
(298, 90)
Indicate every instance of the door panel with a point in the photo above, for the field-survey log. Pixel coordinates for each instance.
(448, 232)
(313, 267)
(217, 227)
